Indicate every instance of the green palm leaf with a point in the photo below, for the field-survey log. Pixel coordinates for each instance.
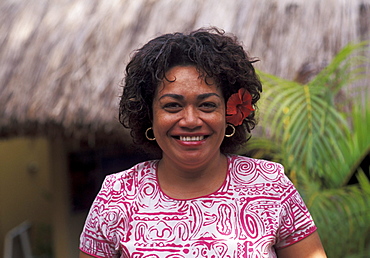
(321, 146)
(301, 119)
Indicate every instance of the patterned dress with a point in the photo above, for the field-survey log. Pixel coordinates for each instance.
(255, 211)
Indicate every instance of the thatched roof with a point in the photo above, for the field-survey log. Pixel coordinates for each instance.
(61, 61)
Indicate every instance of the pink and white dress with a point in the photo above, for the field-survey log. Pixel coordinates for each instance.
(255, 211)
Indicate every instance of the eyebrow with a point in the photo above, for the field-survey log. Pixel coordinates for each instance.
(181, 97)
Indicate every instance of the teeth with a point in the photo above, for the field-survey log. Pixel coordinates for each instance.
(191, 139)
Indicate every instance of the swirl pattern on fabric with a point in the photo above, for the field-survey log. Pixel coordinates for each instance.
(256, 210)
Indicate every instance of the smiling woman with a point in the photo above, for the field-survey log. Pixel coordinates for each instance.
(191, 98)
(189, 124)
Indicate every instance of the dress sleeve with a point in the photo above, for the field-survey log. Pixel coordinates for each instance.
(296, 222)
(98, 237)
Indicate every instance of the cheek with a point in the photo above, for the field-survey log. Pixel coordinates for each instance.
(156, 115)
(219, 118)
(161, 122)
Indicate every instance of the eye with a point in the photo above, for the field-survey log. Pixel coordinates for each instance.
(208, 106)
(172, 107)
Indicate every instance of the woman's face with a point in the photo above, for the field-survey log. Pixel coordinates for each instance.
(188, 117)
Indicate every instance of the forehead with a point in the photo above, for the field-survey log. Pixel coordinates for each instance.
(186, 80)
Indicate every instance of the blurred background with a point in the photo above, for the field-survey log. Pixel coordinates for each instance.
(61, 64)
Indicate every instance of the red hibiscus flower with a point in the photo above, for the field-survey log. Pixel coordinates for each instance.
(239, 106)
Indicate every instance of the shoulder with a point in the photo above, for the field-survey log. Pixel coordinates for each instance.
(123, 182)
(256, 169)
(119, 191)
(138, 170)
(261, 162)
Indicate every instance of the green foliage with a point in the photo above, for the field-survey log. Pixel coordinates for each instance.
(321, 137)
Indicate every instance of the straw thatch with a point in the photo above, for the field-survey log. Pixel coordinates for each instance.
(61, 60)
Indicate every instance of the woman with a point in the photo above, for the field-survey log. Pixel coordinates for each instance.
(192, 98)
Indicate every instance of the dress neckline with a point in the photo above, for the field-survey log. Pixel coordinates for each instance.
(226, 180)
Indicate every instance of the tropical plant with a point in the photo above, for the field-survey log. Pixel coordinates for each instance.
(321, 138)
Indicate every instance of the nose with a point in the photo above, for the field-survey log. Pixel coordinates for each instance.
(190, 118)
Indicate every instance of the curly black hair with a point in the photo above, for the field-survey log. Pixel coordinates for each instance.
(212, 52)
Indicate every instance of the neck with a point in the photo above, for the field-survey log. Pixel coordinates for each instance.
(190, 181)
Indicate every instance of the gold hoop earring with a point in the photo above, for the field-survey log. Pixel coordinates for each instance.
(146, 134)
(233, 127)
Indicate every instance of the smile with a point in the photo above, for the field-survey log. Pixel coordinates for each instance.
(191, 138)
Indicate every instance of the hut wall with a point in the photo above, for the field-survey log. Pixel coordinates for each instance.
(26, 189)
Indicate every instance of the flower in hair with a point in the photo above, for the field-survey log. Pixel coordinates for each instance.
(239, 106)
